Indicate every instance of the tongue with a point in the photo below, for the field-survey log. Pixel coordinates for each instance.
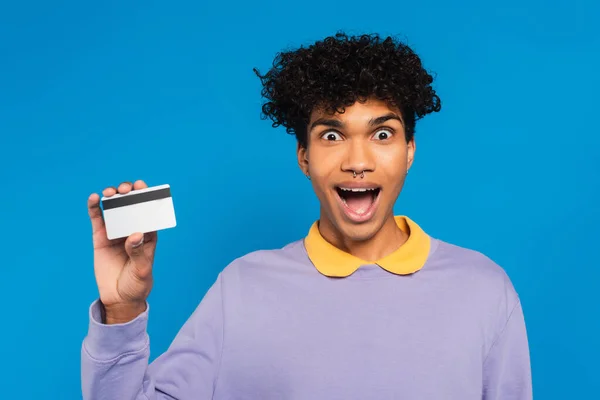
(359, 202)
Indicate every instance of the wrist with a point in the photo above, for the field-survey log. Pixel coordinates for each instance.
(121, 313)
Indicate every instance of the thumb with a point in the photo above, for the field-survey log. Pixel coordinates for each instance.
(134, 246)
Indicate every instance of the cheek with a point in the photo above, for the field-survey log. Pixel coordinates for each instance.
(392, 160)
(323, 164)
(391, 163)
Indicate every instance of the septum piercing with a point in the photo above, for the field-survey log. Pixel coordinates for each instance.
(362, 174)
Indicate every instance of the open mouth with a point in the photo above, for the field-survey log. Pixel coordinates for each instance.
(359, 201)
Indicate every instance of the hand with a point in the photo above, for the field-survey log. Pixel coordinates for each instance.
(123, 267)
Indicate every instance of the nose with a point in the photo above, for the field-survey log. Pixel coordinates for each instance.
(358, 158)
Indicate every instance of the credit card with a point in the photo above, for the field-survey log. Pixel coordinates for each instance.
(144, 210)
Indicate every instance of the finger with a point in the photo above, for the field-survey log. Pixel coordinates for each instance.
(109, 191)
(125, 187)
(95, 212)
(139, 184)
(151, 237)
(134, 246)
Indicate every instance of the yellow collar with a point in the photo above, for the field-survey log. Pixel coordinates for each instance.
(333, 262)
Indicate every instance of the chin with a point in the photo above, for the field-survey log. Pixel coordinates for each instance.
(361, 231)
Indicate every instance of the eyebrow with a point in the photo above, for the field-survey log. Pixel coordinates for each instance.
(384, 118)
(336, 123)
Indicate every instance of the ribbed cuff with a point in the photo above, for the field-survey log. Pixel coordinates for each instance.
(106, 342)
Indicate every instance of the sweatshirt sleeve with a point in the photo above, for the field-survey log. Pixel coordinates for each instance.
(114, 358)
(507, 371)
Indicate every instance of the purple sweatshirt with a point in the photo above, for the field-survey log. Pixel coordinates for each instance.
(431, 321)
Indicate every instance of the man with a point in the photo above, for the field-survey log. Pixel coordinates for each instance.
(366, 306)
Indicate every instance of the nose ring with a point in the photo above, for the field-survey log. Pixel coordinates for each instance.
(362, 174)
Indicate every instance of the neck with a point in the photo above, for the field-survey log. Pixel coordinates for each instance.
(384, 242)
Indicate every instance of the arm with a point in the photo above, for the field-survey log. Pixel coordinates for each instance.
(507, 370)
(114, 358)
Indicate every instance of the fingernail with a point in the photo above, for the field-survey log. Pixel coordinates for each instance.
(139, 243)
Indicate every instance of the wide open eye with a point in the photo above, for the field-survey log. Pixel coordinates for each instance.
(331, 136)
(383, 134)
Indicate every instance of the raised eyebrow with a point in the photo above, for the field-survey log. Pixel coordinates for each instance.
(380, 120)
(336, 123)
(330, 122)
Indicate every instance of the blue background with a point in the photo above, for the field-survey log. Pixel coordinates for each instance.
(94, 94)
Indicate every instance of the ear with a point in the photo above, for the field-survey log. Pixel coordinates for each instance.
(302, 154)
(412, 147)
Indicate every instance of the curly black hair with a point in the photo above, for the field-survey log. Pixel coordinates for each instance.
(338, 71)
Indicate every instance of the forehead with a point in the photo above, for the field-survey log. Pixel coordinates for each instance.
(358, 112)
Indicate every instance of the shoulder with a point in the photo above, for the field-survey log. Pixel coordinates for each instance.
(263, 257)
(482, 285)
(263, 261)
(463, 260)
(473, 270)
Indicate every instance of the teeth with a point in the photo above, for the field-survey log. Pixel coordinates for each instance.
(357, 189)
